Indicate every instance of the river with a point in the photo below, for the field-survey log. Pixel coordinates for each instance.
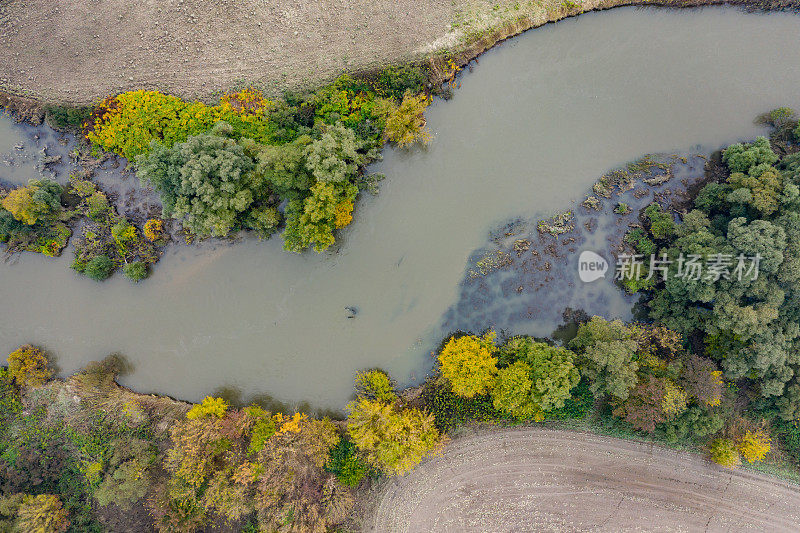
(530, 129)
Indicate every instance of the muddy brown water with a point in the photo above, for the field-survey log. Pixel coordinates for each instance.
(537, 122)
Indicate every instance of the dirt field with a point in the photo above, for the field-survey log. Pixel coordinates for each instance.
(546, 480)
(80, 50)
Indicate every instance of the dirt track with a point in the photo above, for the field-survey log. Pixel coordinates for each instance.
(547, 480)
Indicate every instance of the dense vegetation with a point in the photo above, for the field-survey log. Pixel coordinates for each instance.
(711, 365)
(251, 163)
(246, 163)
(85, 455)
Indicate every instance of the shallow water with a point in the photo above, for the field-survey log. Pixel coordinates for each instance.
(535, 124)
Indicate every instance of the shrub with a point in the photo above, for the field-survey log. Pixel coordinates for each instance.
(67, 117)
(210, 407)
(450, 410)
(99, 267)
(153, 229)
(754, 445)
(98, 206)
(469, 365)
(28, 366)
(723, 452)
(135, 271)
(345, 463)
(396, 81)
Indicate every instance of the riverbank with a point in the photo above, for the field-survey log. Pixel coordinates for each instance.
(197, 50)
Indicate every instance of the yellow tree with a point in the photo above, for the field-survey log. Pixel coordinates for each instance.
(468, 363)
(391, 439)
(28, 366)
(42, 514)
(406, 124)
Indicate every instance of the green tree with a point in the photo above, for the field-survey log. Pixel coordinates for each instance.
(208, 181)
(607, 356)
(337, 155)
(742, 157)
(310, 221)
(539, 379)
(284, 166)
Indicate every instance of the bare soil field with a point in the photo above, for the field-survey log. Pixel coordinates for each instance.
(546, 480)
(76, 51)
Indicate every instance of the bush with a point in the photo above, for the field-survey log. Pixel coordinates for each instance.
(67, 118)
(723, 452)
(98, 206)
(210, 407)
(99, 268)
(450, 410)
(135, 271)
(754, 445)
(28, 366)
(396, 81)
(153, 230)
